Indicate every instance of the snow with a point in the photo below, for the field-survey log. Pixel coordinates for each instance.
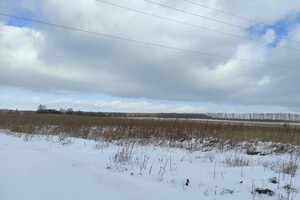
(43, 168)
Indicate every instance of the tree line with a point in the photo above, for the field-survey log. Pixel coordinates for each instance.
(292, 117)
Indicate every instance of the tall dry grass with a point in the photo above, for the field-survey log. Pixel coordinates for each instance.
(147, 129)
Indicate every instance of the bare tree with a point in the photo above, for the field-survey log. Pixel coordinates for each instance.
(41, 108)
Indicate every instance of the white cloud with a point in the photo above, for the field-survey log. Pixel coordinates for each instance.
(113, 105)
(53, 60)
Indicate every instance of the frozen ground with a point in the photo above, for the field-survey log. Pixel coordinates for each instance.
(42, 168)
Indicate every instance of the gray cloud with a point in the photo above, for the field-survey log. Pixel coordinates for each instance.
(54, 60)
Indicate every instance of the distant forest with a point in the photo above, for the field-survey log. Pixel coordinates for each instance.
(288, 117)
(278, 117)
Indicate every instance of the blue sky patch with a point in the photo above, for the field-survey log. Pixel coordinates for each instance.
(19, 22)
(281, 28)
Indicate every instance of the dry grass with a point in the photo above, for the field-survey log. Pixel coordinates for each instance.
(237, 161)
(147, 130)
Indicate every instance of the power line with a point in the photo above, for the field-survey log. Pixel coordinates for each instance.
(195, 26)
(148, 43)
(216, 20)
(238, 16)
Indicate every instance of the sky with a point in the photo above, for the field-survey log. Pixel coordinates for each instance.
(63, 68)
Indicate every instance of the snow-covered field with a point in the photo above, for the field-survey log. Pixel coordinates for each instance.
(43, 169)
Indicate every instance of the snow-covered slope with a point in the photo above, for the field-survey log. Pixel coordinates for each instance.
(43, 169)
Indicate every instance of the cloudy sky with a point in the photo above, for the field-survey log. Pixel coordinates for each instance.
(63, 68)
